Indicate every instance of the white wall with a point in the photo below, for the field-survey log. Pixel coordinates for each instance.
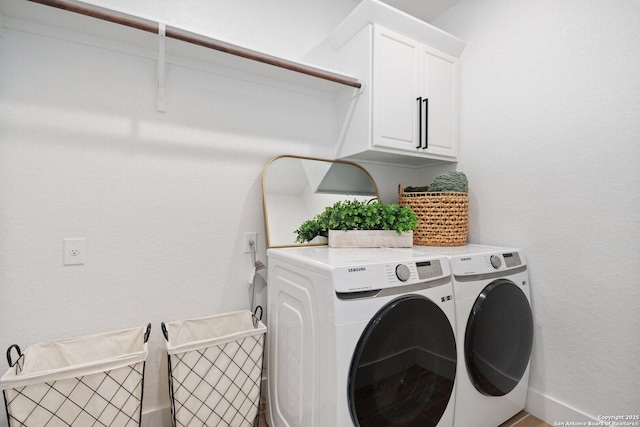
(550, 124)
(162, 199)
(287, 28)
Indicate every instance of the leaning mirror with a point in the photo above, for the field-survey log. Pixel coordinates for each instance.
(295, 189)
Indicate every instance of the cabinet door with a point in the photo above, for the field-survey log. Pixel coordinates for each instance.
(396, 87)
(439, 74)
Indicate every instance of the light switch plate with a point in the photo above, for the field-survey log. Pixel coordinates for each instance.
(74, 253)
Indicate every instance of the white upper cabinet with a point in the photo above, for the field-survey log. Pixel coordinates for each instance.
(407, 110)
(396, 88)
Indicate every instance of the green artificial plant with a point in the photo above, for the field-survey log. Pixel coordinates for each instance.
(450, 181)
(357, 215)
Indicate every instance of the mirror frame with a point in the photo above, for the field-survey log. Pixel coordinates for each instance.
(264, 195)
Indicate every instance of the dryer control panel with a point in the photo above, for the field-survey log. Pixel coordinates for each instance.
(486, 263)
(388, 275)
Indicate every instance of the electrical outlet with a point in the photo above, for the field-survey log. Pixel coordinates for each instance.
(250, 236)
(74, 253)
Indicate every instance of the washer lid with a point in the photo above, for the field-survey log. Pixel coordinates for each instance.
(337, 257)
(366, 269)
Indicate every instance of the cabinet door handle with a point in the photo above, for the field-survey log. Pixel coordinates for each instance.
(419, 99)
(426, 123)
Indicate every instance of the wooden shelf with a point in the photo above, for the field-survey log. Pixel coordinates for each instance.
(141, 32)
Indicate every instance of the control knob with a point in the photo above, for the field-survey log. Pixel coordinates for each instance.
(495, 261)
(402, 272)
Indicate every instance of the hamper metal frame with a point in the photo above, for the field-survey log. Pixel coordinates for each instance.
(209, 405)
(79, 395)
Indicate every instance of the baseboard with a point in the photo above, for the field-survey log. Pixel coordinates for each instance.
(546, 408)
(553, 412)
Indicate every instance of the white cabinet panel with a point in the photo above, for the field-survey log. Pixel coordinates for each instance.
(440, 88)
(407, 112)
(396, 85)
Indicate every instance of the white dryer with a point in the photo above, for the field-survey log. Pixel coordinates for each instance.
(494, 331)
(359, 337)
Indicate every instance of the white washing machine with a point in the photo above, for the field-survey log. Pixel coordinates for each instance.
(494, 331)
(359, 337)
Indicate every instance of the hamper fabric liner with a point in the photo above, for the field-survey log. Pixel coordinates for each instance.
(215, 369)
(443, 216)
(85, 381)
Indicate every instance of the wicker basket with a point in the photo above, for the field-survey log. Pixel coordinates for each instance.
(444, 217)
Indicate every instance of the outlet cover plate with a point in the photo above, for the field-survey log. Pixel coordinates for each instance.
(253, 237)
(74, 253)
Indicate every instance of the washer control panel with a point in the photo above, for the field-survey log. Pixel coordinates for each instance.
(424, 270)
(495, 260)
(429, 269)
(403, 273)
(388, 275)
(512, 259)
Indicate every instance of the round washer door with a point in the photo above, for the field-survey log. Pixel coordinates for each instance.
(498, 338)
(404, 366)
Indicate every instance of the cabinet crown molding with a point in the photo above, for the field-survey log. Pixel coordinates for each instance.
(376, 12)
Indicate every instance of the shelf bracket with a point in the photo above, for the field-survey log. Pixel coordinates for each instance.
(162, 33)
(352, 100)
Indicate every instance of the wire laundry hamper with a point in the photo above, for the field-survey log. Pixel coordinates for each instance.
(95, 380)
(215, 369)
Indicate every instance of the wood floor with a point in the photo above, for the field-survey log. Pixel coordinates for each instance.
(523, 419)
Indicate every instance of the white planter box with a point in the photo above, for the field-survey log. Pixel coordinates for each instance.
(370, 239)
(319, 240)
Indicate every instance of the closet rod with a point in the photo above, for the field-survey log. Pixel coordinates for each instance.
(184, 36)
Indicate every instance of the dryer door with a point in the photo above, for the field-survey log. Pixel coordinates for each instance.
(498, 338)
(404, 365)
